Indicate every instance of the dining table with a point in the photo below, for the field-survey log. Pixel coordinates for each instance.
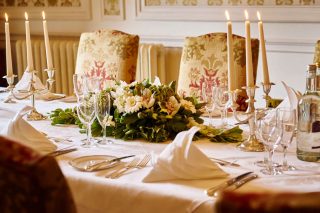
(93, 192)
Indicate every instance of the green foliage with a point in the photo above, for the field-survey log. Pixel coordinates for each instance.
(161, 115)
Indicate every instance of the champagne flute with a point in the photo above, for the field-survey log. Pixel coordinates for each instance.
(207, 95)
(286, 117)
(86, 114)
(77, 84)
(269, 133)
(221, 101)
(102, 110)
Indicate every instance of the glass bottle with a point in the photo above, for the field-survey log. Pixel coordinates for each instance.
(318, 78)
(308, 129)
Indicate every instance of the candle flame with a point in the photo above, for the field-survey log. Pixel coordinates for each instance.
(259, 16)
(227, 15)
(43, 15)
(6, 17)
(26, 15)
(246, 14)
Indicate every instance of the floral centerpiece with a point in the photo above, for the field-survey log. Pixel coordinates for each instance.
(152, 111)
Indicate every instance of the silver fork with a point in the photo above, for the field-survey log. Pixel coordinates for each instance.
(140, 165)
(133, 163)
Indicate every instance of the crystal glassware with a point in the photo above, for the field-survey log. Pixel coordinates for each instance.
(86, 114)
(221, 100)
(102, 109)
(77, 84)
(208, 96)
(269, 132)
(286, 118)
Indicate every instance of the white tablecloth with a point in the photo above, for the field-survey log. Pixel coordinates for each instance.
(94, 193)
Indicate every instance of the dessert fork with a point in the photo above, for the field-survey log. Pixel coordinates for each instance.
(132, 163)
(140, 165)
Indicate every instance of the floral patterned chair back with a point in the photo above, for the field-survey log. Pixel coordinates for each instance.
(31, 182)
(267, 202)
(204, 62)
(316, 58)
(109, 54)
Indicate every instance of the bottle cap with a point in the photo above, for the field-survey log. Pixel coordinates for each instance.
(312, 67)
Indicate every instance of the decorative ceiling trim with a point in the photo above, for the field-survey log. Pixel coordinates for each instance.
(202, 12)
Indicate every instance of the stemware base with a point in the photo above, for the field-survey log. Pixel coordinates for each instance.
(273, 171)
(105, 142)
(252, 145)
(287, 168)
(262, 163)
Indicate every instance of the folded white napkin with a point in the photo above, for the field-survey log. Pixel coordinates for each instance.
(183, 160)
(24, 82)
(293, 97)
(21, 131)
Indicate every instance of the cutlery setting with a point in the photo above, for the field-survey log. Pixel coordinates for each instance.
(93, 165)
(62, 151)
(224, 162)
(231, 184)
(136, 163)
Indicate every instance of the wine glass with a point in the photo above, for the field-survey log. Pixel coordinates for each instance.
(269, 133)
(77, 84)
(86, 114)
(91, 84)
(286, 117)
(207, 95)
(102, 110)
(221, 101)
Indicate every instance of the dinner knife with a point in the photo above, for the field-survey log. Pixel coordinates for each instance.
(211, 191)
(62, 152)
(91, 167)
(238, 184)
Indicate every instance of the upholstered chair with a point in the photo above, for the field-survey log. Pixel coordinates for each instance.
(31, 182)
(230, 202)
(316, 58)
(109, 54)
(204, 62)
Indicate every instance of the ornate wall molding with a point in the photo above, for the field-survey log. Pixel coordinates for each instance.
(112, 10)
(213, 10)
(55, 9)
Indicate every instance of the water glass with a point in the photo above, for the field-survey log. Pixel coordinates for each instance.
(286, 117)
(268, 131)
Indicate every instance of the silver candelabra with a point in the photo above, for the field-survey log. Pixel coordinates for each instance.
(252, 144)
(31, 91)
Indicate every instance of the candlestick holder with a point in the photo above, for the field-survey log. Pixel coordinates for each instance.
(31, 91)
(251, 144)
(10, 81)
(266, 89)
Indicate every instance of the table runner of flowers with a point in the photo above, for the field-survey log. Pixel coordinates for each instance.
(152, 111)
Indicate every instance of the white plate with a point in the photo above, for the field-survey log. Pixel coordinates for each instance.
(81, 163)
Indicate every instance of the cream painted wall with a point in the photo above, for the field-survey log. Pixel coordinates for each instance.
(290, 46)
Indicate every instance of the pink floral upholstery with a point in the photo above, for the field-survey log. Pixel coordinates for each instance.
(231, 202)
(109, 54)
(204, 62)
(31, 182)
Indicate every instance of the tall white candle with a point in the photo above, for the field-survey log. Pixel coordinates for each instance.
(231, 71)
(28, 44)
(46, 42)
(8, 48)
(265, 70)
(249, 67)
